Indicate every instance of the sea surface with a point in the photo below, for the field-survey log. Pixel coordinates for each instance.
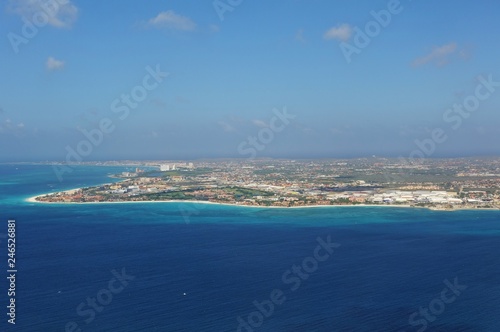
(195, 267)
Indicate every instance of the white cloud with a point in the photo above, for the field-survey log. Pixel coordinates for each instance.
(259, 123)
(439, 55)
(226, 126)
(171, 20)
(466, 52)
(59, 14)
(9, 127)
(340, 32)
(53, 64)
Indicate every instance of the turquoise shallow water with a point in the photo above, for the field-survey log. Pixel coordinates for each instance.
(390, 263)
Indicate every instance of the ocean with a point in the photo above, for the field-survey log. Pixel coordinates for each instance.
(195, 267)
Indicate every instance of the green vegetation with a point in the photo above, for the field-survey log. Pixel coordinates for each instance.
(167, 195)
(342, 201)
(245, 192)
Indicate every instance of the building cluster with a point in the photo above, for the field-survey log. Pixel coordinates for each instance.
(436, 183)
(175, 166)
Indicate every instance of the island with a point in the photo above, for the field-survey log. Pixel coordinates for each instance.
(448, 184)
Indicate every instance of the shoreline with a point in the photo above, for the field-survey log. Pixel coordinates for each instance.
(404, 206)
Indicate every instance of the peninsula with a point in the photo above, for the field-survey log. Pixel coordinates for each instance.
(466, 183)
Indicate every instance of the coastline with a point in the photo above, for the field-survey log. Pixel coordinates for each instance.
(404, 206)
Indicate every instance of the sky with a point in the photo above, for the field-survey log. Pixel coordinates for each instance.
(187, 79)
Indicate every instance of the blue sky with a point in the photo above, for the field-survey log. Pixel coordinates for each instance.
(225, 78)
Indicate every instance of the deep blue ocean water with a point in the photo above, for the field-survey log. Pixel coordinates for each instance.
(200, 267)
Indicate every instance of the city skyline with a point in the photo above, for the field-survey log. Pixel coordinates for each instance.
(234, 79)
